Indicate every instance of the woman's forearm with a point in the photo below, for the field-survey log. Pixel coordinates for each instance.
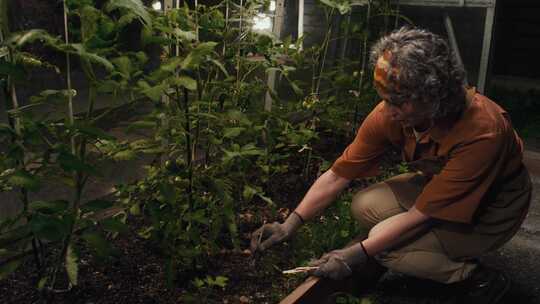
(321, 194)
(395, 230)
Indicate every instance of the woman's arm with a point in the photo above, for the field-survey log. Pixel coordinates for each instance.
(395, 230)
(321, 194)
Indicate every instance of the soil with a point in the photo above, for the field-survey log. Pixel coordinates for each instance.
(137, 275)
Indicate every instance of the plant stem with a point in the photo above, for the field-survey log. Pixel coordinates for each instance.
(188, 142)
(77, 176)
(226, 27)
(238, 51)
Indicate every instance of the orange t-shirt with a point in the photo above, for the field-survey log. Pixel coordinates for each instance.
(479, 148)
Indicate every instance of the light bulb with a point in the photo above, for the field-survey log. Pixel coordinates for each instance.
(262, 22)
(272, 6)
(156, 5)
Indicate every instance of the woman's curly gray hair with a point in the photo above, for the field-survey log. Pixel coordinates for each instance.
(425, 70)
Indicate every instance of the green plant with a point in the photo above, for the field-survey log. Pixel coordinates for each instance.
(215, 152)
(42, 150)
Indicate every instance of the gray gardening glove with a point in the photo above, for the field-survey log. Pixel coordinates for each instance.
(271, 234)
(338, 264)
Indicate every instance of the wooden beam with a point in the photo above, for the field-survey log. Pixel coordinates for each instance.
(316, 290)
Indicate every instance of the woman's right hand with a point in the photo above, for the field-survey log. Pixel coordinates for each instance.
(275, 233)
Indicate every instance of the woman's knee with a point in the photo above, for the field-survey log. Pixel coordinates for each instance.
(374, 204)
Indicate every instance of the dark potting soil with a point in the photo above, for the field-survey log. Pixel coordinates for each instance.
(137, 275)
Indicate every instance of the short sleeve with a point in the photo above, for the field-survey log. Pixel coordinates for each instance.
(361, 157)
(456, 192)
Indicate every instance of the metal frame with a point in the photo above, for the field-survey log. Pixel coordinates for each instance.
(489, 5)
(448, 3)
(486, 47)
(453, 41)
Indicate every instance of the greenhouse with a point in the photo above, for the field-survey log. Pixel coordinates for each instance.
(269, 151)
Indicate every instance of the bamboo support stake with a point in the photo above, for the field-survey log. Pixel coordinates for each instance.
(238, 52)
(325, 52)
(68, 78)
(11, 85)
(363, 67)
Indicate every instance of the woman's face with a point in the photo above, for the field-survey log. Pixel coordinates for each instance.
(406, 113)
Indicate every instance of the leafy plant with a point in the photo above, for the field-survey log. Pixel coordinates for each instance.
(41, 151)
(215, 152)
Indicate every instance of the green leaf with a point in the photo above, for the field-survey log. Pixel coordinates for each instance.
(249, 193)
(93, 132)
(108, 86)
(80, 50)
(114, 225)
(135, 7)
(199, 216)
(72, 266)
(198, 283)
(251, 149)
(124, 155)
(171, 64)
(219, 281)
(41, 283)
(48, 227)
(71, 163)
(155, 92)
(49, 207)
(233, 132)
(168, 193)
(342, 6)
(123, 65)
(220, 66)
(156, 150)
(141, 124)
(20, 39)
(29, 60)
(135, 209)
(53, 96)
(98, 243)
(266, 199)
(146, 233)
(203, 115)
(184, 35)
(22, 178)
(197, 55)
(125, 20)
(141, 57)
(297, 90)
(89, 21)
(96, 205)
(186, 82)
(238, 116)
(7, 269)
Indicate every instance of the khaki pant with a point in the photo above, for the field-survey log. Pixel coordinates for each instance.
(421, 255)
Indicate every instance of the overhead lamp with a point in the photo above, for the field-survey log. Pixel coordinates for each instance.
(272, 7)
(262, 22)
(157, 6)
